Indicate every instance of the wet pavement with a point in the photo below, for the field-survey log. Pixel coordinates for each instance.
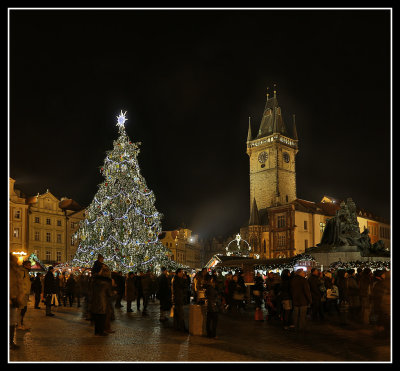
(68, 337)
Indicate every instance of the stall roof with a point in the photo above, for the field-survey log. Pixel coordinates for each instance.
(238, 261)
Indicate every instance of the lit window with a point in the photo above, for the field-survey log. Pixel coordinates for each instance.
(322, 227)
(16, 233)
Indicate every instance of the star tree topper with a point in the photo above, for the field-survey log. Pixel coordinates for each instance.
(121, 119)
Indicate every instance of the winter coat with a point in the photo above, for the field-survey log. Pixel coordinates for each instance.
(300, 291)
(343, 286)
(101, 295)
(70, 285)
(147, 284)
(96, 267)
(26, 284)
(212, 299)
(120, 284)
(16, 284)
(284, 292)
(365, 285)
(164, 292)
(130, 289)
(138, 284)
(178, 291)
(37, 285)
(354, 289)
(49, 284)
(315, 287)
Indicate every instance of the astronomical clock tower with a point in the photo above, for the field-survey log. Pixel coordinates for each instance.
(272, 154)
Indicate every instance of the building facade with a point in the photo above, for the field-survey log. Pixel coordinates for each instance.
(281, 225)
(43, 225)
(185, 247)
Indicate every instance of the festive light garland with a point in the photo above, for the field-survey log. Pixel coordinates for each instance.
(122, 222)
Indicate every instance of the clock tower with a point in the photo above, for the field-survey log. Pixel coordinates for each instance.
(272, 153)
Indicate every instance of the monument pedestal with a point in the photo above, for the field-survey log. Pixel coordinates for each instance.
(327, 258)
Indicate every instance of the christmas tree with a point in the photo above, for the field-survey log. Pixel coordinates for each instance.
(122, 223)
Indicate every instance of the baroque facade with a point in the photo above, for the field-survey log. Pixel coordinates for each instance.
(281, 225)
(43, 225)
(185, 247)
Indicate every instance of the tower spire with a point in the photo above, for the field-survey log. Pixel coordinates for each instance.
(294, 128)
(249, 132)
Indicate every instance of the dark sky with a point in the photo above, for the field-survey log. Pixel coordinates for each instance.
(189, 80)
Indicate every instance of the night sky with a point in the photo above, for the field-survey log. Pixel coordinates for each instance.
(189, 80)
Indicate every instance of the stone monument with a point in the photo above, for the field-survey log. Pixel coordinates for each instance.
(342, 240)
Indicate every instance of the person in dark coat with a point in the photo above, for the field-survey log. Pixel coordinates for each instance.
(213, 304)
(120, 288)
(380, 293)
(37, 289)
(164, 294)
(316, 294)
(343, 285)
(178, 292)
(301, 297)
(70, 287)
(139, 289)
(286, 299)
(366, 294)
(49, 288)
(130, 291)
(101, 299)
(258, 290)
(147, 286)
(97, 264)
(78, 289)
(354, 295)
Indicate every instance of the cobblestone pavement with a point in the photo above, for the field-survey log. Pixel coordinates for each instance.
(67, 337)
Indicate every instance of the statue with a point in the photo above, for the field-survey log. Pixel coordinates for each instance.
(342, 232)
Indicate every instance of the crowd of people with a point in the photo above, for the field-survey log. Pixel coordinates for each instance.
(293, 297)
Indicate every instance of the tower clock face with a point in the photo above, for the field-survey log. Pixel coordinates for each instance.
(286, 157)
(262, 157)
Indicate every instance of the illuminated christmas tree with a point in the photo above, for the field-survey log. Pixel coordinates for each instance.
(122, 222)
